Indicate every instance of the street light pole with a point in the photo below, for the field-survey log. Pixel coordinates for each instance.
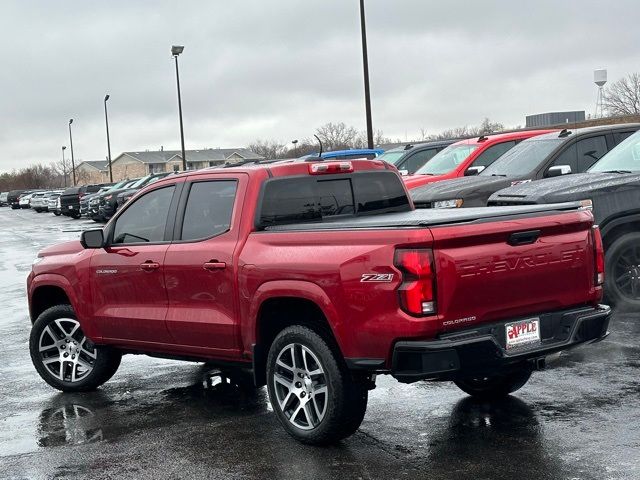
(64, 167)
(73, 163)
(365, 66)
(175, 51)
(106, 121)
(295, 147)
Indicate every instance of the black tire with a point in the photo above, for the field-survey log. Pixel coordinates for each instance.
(104, 366)
(496, 386)
(622, 272)
(345, 400)
(57, 214)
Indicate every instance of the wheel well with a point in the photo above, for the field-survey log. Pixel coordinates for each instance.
(275, 315)
(46, 297)
(620, 230)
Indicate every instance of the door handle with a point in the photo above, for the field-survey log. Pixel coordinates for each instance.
(149, 266)
(214, 265)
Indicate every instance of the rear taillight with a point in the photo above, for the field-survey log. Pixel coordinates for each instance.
(599, 255)
(417, 290)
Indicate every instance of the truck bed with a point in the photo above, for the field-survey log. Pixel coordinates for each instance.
(428, 217)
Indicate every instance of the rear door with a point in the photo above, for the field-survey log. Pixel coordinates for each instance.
(199, 266)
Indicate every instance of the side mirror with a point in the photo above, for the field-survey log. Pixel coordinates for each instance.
(558, 170)
(404, 172)
(471, 171)
(93, 238)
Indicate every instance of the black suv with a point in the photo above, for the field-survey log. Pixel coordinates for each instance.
(13, 198)
(108, 204)
(409, 158)
(544, 156)
(70, 199)
(610, 188)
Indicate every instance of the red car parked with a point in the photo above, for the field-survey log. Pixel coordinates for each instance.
(467, 157)
(317, 276)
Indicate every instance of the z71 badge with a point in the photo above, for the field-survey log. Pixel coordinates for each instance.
(377, 277)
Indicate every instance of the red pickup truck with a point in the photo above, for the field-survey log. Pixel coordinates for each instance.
(317, 276)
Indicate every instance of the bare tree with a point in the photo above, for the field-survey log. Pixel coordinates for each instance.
(623, 97)
(269, 149)
(487, 127)
(337, 136)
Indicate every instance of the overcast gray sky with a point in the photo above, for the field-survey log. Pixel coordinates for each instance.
(278, 69)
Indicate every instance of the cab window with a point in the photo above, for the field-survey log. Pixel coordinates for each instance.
(492, 153)
(145, 220)
(209, 209)
(418, 159)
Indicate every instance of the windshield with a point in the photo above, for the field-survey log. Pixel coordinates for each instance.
(624, 157)
(118, 185)
(447, 160)
(140, 182)
(523, 158)
(392, 156)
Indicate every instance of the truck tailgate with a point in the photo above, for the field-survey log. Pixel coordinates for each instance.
(509, 268)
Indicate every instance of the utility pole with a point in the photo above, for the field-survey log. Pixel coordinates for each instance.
(365, 66)
(73, 163)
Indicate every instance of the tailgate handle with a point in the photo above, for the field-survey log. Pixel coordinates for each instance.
(523, 238)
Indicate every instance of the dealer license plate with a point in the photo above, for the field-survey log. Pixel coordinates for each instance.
(525, 333)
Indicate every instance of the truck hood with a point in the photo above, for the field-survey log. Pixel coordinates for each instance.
(579, 186)
(413, 181)
(65, 248)
(475, 191)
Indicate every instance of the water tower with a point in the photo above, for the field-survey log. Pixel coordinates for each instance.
(599, 78)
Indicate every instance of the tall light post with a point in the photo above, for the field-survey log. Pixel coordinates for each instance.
(365, 66)
(73, 162)
(64, 167)
(106, 121)
(175, 51)
(295, 147)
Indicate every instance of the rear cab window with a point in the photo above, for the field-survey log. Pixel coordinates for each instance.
(209, 209)
(306, 199)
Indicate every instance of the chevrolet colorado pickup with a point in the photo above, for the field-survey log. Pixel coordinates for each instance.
(611, 188)
(317, 276)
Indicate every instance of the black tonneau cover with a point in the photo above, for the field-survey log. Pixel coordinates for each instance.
(427, 217)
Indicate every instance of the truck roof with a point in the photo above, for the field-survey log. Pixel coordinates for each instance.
(288, 168)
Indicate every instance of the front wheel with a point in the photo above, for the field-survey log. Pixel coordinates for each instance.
(312, 392)
(495, 386)
(56, 213)
(64, 357)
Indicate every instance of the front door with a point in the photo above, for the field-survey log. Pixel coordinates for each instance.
(127, 277)
(199, 266)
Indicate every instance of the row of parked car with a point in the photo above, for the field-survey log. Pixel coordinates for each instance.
(97, 201)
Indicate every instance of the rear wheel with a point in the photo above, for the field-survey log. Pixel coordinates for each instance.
(311, 390)
(622, 272)
(64, 357)
(56, 213)
(495, 386)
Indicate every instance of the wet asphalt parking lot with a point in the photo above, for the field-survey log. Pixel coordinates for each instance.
(164, 419)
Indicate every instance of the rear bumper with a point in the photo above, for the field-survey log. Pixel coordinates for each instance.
(482, 350)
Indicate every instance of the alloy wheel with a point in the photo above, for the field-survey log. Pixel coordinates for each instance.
(65, 352)
(627, 272)
(300, 386)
